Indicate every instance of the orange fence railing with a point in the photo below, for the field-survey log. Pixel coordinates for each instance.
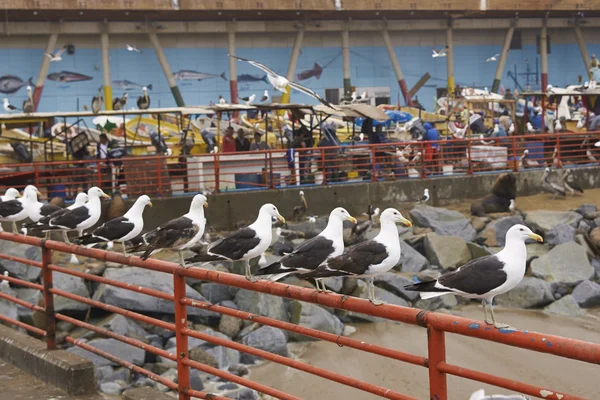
(437, 326)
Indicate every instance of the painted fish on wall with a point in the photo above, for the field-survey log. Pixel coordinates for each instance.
(128, 85)
(10, 83)
(67, 76)
(189, 75)
(252, 78)
(315, 71)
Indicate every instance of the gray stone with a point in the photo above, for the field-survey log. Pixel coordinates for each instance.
(17, 269)
(566, 262)
(443, 222)
(225, 356)
(529, 293)
(239, 370)
(585, 226)
(229, 304)
(8, 308)
(595, 236)
(559, 234)
(215, 292)
(312, 316)
(334, 283)
(543, 220)
(103, 371)
(144, 381)
(120, 374)
(269, 339)
(170, 375)
(535, 250)
(448, 252)
(230, 326)
(204, 357)
(140, 302)
(410, 259)
(196, 379)
(115, 323)
(566, 306)
(596, 266)
(261, 304)
(495, 233)
(242, 394)
(389, 298)
(112, 346)
(73, 285)
(32, 296)
(195, 342)
(587, 294)
(478, 251)
(445, 301)
(395, 283)
(113, 388)
(587, 210)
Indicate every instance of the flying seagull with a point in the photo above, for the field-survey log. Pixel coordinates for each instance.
(281, 83)
(485, 277)
(492, 58)
(265, 97)
(56, 56)
(9, 107)
(133, 48)
(441, 53)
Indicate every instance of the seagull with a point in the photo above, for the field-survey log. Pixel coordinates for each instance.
(119, 103)
(80, 200)
(97, 101)
(569, 182)
(9, 107)
(37, 210)
(368, 258)
(249, 100)
(358, 230)
(551, 186)
(314, 252)
(18, 209)
(4, 284)
(265, 97)
(281, 83)
(597, 144)
(28, 104)
(10, 194)
(492, 58)
(371, 213)
(245, 243)
(425, 197)
(179, 233)
(222, 101)
(485, 277)
(56, 56)
(133, 48)
(143, 102)
(301, 209)
(511, 206)
(119, 229)
(511, 128)
(356, 99)
(441, 53)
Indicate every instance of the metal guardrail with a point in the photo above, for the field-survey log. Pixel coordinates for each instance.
(437, 326)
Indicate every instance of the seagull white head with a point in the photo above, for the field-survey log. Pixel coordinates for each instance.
(31, 193)
(426, 192)
(144, 201)
(512, 204)
(521, 233)
(526, 151)
(81, 199)
(392, 215)
(342, 215)
(11, 194)
(144, 89)
(301, 193)
(376, 212)
(199, 202)
(28, 89)
(270, 210)
(96, 192)
(125, 96)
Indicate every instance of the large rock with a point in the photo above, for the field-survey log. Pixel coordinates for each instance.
(395, 283)
(529, 293)
(115, 347)
(566, 306)
(587, 210)
(543, 220)
(71, 284)
(435, 303)
(449, 252)
(587, 294)
(595, 237)
(131, 300)
(225, 356)
(230, 326)
(560, 234)
(8, 308)
(203, 357)
(17, 269)
(32, 296)
(115, 323)
(443, 222)
(411, 260)
(215, 292)
(312, 316)
(269, 339)
(494, 234)
(567, 262)
(261, 304)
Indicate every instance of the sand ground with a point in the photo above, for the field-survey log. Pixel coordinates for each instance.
(558, 374)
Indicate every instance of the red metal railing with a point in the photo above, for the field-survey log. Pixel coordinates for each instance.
(437, 326)
(165, 176)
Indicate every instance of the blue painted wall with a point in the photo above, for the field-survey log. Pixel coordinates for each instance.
(370, 67)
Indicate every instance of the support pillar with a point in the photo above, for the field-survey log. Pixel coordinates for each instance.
(285, 98)
(346, 62)
(544, 54)
(503, 57)
(583, 50)
(106, 82)
(233, 83)
(396, 65)
(166, 68)
(450, 58)
(41, 79)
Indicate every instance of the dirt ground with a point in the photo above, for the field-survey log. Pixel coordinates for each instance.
(558, 374)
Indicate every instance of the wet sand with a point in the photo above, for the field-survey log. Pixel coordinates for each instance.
(555, 373)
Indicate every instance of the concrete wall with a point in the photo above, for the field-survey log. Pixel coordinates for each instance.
(228, 209)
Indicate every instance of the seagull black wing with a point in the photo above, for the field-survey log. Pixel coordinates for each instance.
(171, 234)
(71, 219)
(236, 245)
(308, 256)
(49, 209)
(46, 219)
(310, 92)
(10, 207)
(114, 229)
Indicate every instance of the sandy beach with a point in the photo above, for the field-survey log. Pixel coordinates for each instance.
(555, 373)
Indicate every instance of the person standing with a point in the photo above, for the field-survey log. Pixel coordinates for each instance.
(229, 141)
(241, 142)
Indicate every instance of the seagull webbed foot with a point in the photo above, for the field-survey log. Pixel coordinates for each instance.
(377, 302)
(499, 325)
(252, 278)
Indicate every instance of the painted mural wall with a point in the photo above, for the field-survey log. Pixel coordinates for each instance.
(202, 72)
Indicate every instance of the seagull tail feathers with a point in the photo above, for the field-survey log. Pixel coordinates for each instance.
(223, 76)
(274, 268)
(204, 258)
(276, 277)
(427, 289)
(88, 240)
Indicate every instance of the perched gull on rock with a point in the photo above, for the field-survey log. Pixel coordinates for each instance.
(18, 209)
(120, 229)
(281, 83)
(485, 277)
(369, 258)
(314, 252)
(425, 197)
(179, 233)
(80, 200)
(245, 243)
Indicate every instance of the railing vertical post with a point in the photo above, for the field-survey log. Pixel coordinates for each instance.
(469, 156)
(37, 175)
(217, 174)
(323, 166)
(514, 151)
(373, 164)
(183, 371)
(436, 347)
(48, 298)
(271, 175)
(558, 160)
(99, 173)
(422, 151)
(158, 174)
